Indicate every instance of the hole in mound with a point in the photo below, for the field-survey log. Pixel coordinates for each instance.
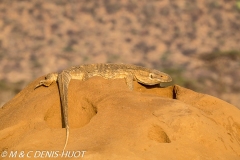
(156, 133)
(80, 112)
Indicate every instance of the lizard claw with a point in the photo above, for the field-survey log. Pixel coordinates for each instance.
(41, 83)
(38, 85)
(45, 83)
(49, 79)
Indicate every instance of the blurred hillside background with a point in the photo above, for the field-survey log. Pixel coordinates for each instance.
(197, 42)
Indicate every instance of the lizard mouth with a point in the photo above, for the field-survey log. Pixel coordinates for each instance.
(153, 81)
(149, 83)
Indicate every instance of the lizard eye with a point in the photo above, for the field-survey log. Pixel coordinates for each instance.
(151, 75)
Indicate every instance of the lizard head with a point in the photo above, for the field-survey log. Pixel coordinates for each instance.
(152, 77)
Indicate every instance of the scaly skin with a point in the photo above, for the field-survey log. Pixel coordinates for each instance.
(108, 71)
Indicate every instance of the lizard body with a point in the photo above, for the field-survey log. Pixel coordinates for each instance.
(106, 70)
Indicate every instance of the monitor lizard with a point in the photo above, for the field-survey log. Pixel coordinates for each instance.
(106, 70)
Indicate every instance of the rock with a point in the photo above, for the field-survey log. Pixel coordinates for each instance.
(109, 121)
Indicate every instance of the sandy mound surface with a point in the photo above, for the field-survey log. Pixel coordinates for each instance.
(110, 122)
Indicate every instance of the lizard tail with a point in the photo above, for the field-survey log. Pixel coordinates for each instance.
(63, 82)
(67, 135)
